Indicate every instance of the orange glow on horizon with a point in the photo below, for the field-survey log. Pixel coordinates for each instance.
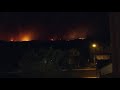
(11, 39)
(22, 37)
(52, 39)
(25, 38)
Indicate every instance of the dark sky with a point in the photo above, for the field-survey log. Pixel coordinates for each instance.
(53, 23)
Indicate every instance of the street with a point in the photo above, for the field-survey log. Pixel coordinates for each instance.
(74, 73)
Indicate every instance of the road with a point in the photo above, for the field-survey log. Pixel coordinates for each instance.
(75, 73)
(84, 73)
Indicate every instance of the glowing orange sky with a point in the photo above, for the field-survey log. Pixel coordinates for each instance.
(76, 32)
(22, 37)
(27, 34)
(54, 23)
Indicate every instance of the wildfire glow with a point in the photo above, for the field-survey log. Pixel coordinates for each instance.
(11, 39)
(25, 38)
(52, 39)
(78, 32)
(26, 35)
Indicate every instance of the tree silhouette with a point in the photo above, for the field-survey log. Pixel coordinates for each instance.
(41, 61)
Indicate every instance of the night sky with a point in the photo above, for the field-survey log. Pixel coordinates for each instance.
(46, 25)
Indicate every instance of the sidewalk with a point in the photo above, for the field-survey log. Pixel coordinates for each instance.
(85, 68)
(82, 68)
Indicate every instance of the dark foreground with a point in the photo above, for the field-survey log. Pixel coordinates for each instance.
(64, 74)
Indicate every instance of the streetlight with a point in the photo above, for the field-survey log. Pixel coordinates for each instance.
(94, 47)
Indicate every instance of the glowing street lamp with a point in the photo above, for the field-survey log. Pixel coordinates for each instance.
(94, 46)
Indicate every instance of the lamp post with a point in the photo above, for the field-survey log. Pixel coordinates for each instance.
(94, 48)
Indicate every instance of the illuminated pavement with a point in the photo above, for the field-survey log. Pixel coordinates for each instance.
(84, 73)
